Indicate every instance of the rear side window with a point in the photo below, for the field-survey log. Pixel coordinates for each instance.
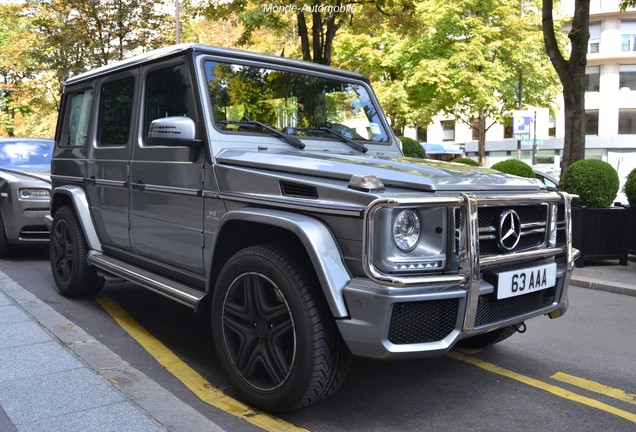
(116, 104)
(77, 118)
(169, 93)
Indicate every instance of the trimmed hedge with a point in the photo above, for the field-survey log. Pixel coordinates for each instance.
(412, 148)
(466, 161)
(630, 188)
(514, 167)
(594, 181)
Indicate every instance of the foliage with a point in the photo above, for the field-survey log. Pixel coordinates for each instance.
(412, 148)
(466, 161)
(594, 181)
(630, 188)
(514, 167)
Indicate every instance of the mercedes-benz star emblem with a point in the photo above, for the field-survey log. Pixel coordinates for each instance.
(509, 230)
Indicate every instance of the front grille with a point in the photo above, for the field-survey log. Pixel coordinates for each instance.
(490, 310)
(421, 322)
(534, 224)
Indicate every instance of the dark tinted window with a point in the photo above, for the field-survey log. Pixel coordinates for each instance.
(116, 103)
(77, 117)
(168, 93)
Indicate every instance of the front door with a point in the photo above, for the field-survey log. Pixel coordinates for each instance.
(166, 212)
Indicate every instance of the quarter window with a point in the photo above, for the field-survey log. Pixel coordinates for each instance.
(116, 103)
(78, 114)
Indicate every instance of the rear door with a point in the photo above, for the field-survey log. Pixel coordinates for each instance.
(107, 180)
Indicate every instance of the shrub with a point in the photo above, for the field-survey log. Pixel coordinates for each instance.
(630, 188)
(412, 148)
(594, 181)
(466, 161)
(514, 167)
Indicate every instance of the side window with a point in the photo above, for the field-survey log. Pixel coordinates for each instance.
(115, 108)
(77, 118)
(169, 93)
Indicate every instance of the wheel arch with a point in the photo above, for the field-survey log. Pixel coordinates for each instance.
(75, 197)
(247, 226)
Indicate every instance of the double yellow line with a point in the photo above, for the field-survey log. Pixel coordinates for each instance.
(558, 391)
(208, 393)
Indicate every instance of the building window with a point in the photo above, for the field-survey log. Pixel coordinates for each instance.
(592, 78)
(448, 130)
(627, 78)
(628, 35)
(508, 131)
(627, 121)
(591, 122)
(421, 133)
(595, 37)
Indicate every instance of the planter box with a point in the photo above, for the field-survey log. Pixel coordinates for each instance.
(631, 224)
(600, 234)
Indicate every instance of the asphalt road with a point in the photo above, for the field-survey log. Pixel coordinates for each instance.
(574, 373)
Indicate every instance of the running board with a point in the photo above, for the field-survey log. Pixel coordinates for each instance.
(184, 294)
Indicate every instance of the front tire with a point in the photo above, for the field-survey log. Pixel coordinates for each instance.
(68, 251)
(273, 332)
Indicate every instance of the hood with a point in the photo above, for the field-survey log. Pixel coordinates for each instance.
(29, 172)
(407, 173)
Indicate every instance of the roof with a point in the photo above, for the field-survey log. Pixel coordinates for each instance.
(174, 50)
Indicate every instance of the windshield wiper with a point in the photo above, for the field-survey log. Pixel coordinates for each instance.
(293, 141)
(351, 143)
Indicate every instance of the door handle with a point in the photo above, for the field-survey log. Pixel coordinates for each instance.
(139, 186)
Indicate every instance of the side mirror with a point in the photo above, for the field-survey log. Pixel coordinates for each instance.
(173, 131)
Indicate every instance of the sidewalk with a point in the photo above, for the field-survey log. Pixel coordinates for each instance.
(55, 377)
(607, 276)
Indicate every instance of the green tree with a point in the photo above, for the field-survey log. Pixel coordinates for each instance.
(77, 35)
(315, 23)
(467, 59)
(571, 71)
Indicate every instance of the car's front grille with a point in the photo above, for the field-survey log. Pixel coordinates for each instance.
(533, 231)
(490, 310)
(421, 322)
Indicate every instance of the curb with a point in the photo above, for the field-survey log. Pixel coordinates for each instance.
(601, 285)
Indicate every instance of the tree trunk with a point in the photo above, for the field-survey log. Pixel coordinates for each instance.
(481, 142)
(572, 75)
(303, 34)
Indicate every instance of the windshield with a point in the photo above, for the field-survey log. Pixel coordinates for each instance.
(292, 103)
(26, 154)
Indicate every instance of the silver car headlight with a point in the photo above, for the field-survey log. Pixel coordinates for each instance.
(409, 240)
(34, 194)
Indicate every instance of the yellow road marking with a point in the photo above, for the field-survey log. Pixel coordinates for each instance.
(558, 391)
(204, 390)
(595, 387)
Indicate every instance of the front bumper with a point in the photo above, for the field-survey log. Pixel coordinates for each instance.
(425, 316)
(427, 321)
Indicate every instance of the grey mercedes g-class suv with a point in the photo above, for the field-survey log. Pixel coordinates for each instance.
(272, 194)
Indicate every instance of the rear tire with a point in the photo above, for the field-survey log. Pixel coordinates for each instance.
(487, 339)
(5, 248)
(273, 332)
(68, 251)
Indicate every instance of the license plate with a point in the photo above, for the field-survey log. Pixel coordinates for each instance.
(524, 281)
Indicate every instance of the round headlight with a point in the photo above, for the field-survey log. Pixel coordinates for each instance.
(406, 230)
